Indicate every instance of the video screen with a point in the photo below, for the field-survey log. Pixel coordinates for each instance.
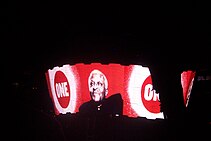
(187, 79)
(108, 88)
(127, 90)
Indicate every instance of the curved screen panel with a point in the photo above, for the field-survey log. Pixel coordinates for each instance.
(112, 88)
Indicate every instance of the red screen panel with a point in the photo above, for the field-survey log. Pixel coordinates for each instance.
(69, 89)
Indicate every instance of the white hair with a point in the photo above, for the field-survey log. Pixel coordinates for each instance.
(95, 71)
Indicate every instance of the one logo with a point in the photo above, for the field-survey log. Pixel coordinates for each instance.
(149, 97)
(144, 101)
(62, 89)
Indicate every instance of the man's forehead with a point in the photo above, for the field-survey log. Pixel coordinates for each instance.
(97, 75)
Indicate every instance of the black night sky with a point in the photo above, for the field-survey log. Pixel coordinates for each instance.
(45, 34)
(166, 36)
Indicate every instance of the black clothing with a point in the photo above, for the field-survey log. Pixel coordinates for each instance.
(108, 106)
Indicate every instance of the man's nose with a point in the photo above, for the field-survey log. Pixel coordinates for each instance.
(94, 87)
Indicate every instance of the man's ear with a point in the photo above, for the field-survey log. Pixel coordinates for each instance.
(106, 92)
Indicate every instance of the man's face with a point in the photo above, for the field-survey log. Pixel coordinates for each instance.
(97, 87)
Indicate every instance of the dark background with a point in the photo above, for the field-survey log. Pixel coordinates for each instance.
(169, 37)
(45, 34)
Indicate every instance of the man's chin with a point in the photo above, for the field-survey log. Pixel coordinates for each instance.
(96, 100)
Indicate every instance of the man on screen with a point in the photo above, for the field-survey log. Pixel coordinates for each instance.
(99, 104)
(98, 85)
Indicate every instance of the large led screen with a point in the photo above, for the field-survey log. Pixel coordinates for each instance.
(187, 79)
(75, 88)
